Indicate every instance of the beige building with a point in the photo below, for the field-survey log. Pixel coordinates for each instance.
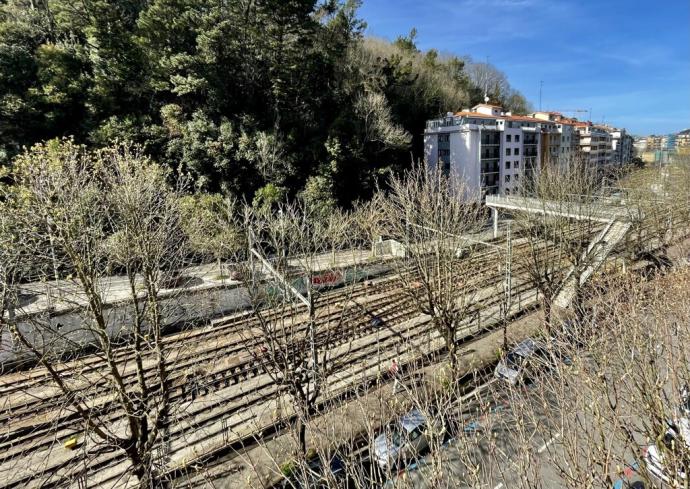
(560, 140)
(655, 143)
(595, 143)
(683, 142)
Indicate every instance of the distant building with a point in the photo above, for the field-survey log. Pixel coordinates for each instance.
(621, 146)
(655, 143)
(560, 140)
(670, 143)
(683, 142)
(640, 145)
(595, 143)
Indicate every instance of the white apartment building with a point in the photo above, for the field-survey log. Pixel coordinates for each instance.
(640, 145)
(621, 146)
(492, 150)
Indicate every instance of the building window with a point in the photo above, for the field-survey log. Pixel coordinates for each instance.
(517, 151)
(517, 138)
(507, 165)
(517, 177)
(444, 138)
(507, 151)
(509, 138)
(444, 160)
(507, 178)
(516, 165)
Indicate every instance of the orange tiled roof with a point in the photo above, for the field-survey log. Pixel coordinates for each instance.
(563, 120)
(523, 118)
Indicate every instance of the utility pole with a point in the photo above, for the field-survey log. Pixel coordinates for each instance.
(507, 287)
(541, 85)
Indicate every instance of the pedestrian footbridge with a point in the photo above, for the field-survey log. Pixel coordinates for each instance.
(615, 217)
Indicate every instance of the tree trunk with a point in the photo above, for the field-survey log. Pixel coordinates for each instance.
(547, 313)
(141, 467)
(505, 335)
(452, 351)
(302, 436)
(504, 319)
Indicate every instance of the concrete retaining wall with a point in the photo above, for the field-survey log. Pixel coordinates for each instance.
(70, 330)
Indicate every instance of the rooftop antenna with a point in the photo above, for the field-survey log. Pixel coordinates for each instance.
(486, 83)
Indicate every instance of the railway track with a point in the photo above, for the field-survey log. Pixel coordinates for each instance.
(221, 330)
(420, 336)
(390, 305)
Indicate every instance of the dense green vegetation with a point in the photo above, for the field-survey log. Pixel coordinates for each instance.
(258, 98)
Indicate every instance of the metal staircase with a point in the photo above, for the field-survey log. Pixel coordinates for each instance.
(597, 252)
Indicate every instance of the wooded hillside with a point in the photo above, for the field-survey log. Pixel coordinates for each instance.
(258, 98)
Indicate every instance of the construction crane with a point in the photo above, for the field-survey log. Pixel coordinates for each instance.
(575, 111)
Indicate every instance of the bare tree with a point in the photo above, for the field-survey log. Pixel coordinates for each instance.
(429, 216)
(299, 340)
(112, 210)
(379, 126)
(488, 79)
(621, 402)
(560, 211)
(656, 200)
(210, 222)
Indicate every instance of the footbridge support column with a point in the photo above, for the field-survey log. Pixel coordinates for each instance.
(494, 212)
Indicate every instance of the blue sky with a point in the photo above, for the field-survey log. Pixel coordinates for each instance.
(626, 60)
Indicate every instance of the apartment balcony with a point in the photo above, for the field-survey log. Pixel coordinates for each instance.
(490, 190)
(439, 123)
(492, 139)
(490, 168)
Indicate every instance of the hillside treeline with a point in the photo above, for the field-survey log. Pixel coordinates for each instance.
(261, 99)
